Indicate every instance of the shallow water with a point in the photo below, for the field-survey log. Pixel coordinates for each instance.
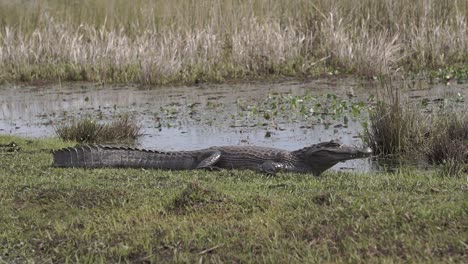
(185, 118)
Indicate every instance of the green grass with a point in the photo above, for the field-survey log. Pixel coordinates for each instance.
(128, 215)
(191, 41)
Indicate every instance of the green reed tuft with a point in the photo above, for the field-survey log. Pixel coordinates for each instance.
(88, 130)
(399, 129)
(395, 127)
(448, 144)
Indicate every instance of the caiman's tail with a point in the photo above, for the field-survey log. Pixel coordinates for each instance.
(98, 156)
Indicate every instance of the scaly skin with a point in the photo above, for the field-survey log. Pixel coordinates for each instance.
(313, 159)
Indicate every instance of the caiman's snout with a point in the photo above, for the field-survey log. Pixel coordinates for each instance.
(347, 153)
(362, 153)
(335, 151)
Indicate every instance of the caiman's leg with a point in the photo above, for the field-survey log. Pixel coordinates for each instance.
(271, 167)
(210, 161)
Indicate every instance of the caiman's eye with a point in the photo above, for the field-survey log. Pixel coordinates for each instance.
(334, 143)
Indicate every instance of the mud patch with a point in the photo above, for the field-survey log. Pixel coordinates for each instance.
(10, 147)
(255, 203)
(70, 197)
(195, 197)
(324, 198)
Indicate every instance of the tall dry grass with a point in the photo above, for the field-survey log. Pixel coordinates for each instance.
(195, 40)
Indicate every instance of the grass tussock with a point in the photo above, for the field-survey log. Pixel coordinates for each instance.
(399, 129)
(449, 142)
(88, 130)
(394, 127)
(57, 215)
(189, 41)
(38, 196)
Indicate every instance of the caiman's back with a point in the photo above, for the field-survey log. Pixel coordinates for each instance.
(229, 157)
(250, 157)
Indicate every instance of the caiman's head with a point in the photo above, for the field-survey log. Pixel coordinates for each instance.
(325, 155)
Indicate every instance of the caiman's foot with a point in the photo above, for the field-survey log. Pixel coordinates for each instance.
(211, 168)
(268, 167)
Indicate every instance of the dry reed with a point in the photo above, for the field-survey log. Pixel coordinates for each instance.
(188, 41)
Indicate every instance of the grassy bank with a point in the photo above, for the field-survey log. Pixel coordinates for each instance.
(108, 215)
(190, 41)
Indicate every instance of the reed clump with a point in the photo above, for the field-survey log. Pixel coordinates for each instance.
(166, 41)
(395, 127)
(448, 145)
(398, 129)
(88, 130)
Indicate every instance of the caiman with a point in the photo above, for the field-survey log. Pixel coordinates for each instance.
(313, 159)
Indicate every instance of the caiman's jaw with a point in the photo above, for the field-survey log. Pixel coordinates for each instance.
(340, 154)
(325, 155)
